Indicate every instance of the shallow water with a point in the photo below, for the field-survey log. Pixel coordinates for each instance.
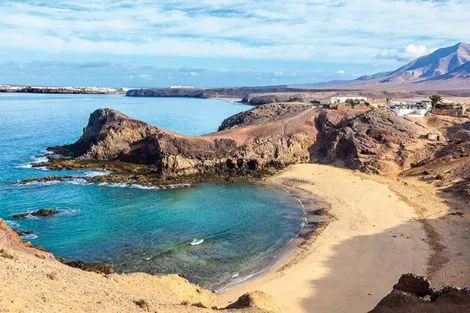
(244, 226)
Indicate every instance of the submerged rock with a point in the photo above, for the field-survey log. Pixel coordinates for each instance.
(38, 213)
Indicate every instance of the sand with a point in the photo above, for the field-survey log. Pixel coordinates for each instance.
(377, 233)
(379, 229)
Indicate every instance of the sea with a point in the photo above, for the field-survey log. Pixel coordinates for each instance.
(214, 234)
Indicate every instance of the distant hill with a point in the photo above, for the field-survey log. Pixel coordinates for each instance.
(444, 69)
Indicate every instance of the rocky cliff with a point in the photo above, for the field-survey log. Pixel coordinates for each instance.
(251, 143)
(270, 137)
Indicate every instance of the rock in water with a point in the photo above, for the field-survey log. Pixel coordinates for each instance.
(38, 213)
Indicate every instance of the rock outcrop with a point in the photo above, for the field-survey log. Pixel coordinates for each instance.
(264, 113)
(449, 167)
(409, 296)
(252, 143)
(260, 99)
(377, 141)
(112, 136)
(256, 299)
(189, 92)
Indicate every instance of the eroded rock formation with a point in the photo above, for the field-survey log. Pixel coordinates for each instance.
(409, 296)
(268, 138)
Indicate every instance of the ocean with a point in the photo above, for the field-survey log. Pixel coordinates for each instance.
(236, 229)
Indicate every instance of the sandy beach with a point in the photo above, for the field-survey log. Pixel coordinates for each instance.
(381, 228)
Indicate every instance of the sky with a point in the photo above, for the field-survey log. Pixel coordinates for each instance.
(144, 43)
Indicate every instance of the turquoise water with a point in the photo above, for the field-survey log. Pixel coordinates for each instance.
(244, 226)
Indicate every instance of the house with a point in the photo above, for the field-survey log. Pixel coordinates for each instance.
(348, 99)
(410, 108)
(181, 87)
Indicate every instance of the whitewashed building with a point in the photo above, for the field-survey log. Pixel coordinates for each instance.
(410, 108)
(347, 99)
(181, 87)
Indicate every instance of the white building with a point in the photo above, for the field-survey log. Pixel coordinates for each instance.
(346, 99)
(181, 87)
(416, 108)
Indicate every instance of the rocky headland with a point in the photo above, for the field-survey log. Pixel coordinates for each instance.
(60, 90)
(206, 93)
(268, 138)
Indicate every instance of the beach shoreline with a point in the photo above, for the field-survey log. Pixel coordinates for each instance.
(388, 231)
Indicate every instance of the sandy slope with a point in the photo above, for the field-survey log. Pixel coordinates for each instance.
(375, 237)
(33, 281)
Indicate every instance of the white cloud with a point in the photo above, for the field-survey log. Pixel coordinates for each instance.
(341, 72)
(410, 52)
(284, 29)
(415, 51)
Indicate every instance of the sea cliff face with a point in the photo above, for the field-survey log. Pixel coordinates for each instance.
(261, 140)
(268, 138)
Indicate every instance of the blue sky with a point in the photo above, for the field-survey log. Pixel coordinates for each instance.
(219, 42)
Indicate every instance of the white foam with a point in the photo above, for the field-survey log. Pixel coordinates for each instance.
(29, 237)
(97, 173)
(69, 211)
(12, 224)
(27, 165)
(39, 183)
(39, 159)
(197, 242)
(83, 181)
(238, 280)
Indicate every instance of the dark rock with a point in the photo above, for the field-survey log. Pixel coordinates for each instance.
(404, 298)
(256, 299)
(38, 213)
(100, 268)
(235, 92)
(414, 284)
(263, 114)
(254, 143)
(23, 232)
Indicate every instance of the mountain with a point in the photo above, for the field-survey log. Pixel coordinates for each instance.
(444, 69)
(434, 65)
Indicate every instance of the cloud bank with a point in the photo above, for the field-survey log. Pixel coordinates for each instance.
(273, 30)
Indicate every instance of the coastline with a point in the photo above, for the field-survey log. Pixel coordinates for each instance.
(315, 218)
(378, 228)
(370, 240)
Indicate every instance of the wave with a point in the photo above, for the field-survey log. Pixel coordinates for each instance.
(39, 183)
(236, 279)
(29, 237)
(12, 224)
(144, 187)
(96, 173)
(69, 211)
(84, 182)
(37, 159)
